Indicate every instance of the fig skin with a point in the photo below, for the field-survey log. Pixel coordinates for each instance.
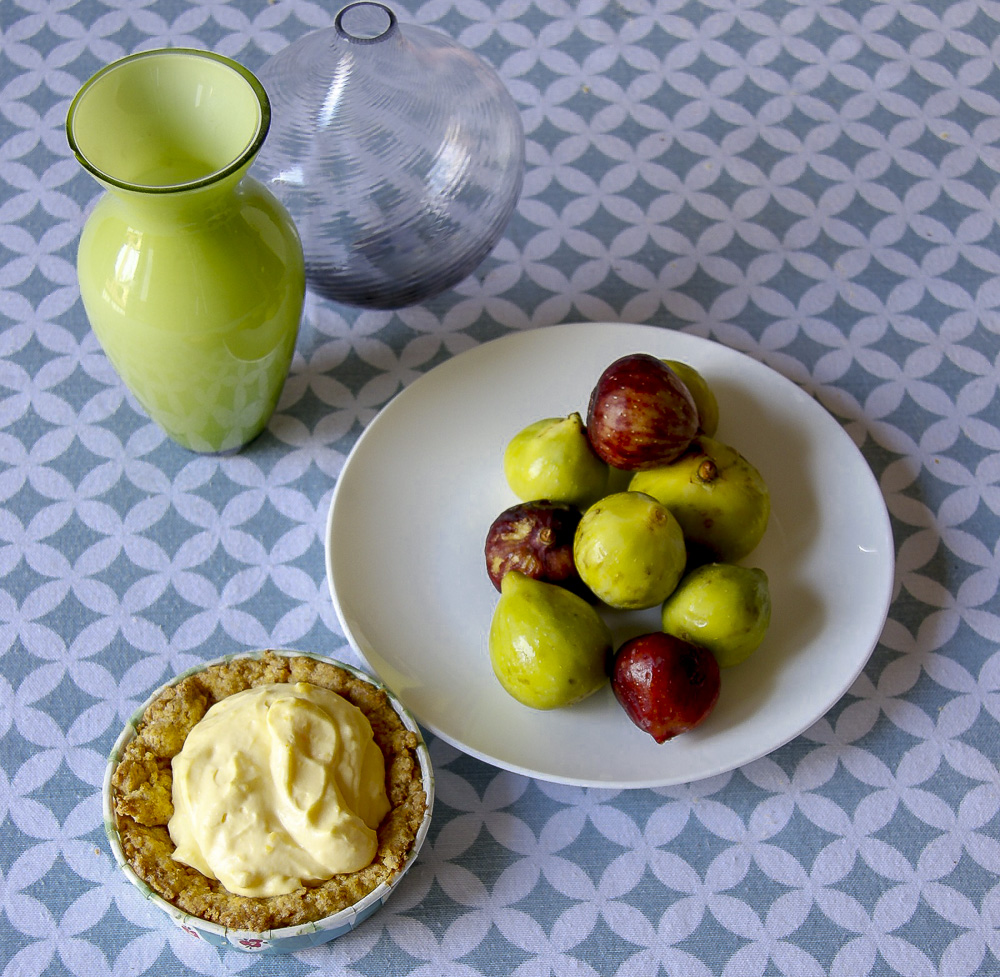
(719, 498)
(548, 647)
(629, 550)
(640, 414)
(552, 459)
(722, 607)
(701, 393)
(536, 539)
(665, 685)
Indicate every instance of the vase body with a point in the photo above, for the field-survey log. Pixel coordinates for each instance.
(398, 152)
(191, 272)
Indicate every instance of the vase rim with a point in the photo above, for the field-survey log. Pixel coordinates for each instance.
(358, 5)
(233, 165)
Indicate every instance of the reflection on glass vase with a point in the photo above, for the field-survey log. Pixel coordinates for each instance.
(191, 272)
(398, 152)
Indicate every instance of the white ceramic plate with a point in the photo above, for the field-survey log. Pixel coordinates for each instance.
(421, 487)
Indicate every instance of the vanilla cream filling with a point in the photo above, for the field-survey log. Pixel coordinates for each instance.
(277, 787)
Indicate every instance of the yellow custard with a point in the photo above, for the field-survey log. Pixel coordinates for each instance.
(277, 787)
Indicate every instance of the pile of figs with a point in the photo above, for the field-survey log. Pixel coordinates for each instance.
(634, 507)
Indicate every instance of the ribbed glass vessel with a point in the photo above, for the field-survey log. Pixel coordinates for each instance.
(398, 152)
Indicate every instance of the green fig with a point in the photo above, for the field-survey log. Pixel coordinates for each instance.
(552, 459)
(548, 646)
(720, 500)
(722, 607)
(701, 394)
(629, 550)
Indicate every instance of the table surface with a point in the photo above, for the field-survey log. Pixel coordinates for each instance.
(815, 184)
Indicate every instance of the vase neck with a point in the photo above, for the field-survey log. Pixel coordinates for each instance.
(180, 205)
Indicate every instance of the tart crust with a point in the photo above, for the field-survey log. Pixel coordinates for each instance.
(142, 782)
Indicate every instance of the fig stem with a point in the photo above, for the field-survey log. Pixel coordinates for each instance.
(707, 472)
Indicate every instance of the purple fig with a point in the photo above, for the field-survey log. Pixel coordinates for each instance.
(535, 538)
(641, 415)
(665, 685)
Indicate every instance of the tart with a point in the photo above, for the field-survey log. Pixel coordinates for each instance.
(139, 791)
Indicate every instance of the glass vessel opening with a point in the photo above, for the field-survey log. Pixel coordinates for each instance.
(365, 21)
(167, 120)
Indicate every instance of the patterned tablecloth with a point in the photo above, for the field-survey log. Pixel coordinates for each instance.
(814, 183)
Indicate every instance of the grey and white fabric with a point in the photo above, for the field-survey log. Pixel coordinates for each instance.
(814, 183)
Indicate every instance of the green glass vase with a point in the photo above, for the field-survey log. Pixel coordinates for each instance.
(191, 273)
